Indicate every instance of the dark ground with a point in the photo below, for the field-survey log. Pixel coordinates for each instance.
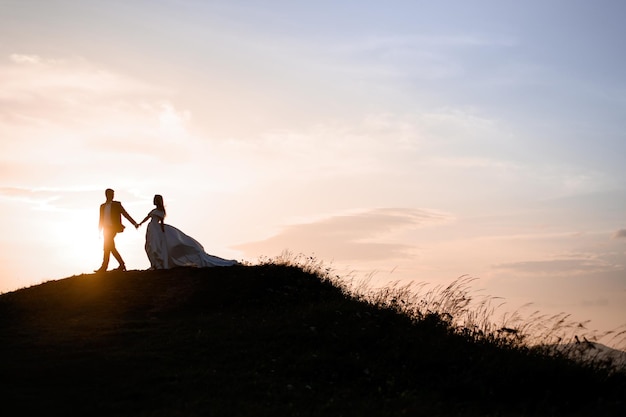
(264, 340)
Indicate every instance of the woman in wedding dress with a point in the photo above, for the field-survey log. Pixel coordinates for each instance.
(167, 247)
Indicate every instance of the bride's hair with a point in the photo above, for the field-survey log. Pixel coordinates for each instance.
(158, 202)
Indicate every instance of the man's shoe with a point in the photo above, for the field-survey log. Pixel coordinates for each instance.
(100, 270)
(121, 268)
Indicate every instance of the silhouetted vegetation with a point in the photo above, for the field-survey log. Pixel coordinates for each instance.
(276, 339)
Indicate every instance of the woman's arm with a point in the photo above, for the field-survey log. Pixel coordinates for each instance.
(144, 220)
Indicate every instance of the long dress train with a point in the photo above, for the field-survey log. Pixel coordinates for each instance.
(174, 248)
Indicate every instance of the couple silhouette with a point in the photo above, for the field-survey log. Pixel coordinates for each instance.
(166, 246)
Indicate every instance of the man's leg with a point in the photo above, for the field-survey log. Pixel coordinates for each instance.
(116, 254)
(109, 244)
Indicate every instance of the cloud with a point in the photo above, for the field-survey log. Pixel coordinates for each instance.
(410, 56)
(366, 235)
(72, 111)
(52, 199)
(27, 77)
(382, 144)
(558, 266)
(44, 93)
(596, 302)
(173, 121)
(33, 198)
(25, 59)
(620, 234)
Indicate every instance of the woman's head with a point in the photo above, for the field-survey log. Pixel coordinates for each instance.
(158, 202)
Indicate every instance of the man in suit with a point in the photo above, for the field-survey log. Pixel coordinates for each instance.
(111, 213)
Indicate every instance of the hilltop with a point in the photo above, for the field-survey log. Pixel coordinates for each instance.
(265, 340)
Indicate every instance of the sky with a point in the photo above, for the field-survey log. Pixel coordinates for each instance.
(399, 141)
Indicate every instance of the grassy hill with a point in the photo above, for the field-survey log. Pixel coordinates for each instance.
(266, 340)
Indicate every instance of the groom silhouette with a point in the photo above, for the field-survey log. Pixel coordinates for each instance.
(111, 224)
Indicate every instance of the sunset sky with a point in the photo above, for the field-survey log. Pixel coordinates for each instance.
(405, 140)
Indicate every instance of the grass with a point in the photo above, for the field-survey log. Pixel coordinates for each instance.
(282, 337)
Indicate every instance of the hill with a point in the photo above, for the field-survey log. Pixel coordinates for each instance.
(265, 340)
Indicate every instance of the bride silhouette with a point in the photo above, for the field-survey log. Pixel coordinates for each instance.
(167, 247)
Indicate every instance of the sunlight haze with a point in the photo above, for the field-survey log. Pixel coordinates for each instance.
(397, 140)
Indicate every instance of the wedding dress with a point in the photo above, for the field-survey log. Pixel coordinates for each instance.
(173, 248)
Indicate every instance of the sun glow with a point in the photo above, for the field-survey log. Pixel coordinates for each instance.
(76, 238)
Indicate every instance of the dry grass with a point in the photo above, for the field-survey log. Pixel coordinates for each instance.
(471, 314)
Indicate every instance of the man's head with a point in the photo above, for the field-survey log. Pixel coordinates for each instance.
(109, 193)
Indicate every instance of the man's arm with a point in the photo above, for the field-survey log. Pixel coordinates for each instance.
(125, 214)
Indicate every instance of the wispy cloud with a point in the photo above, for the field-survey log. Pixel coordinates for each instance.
(29, 76)
(583, 263)
(68, 92)
(40, 200)
(379, 143)
(429, 57)
(366, 235)
(52, 199)
(60, 111)
(418, 41)
(620, 234)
